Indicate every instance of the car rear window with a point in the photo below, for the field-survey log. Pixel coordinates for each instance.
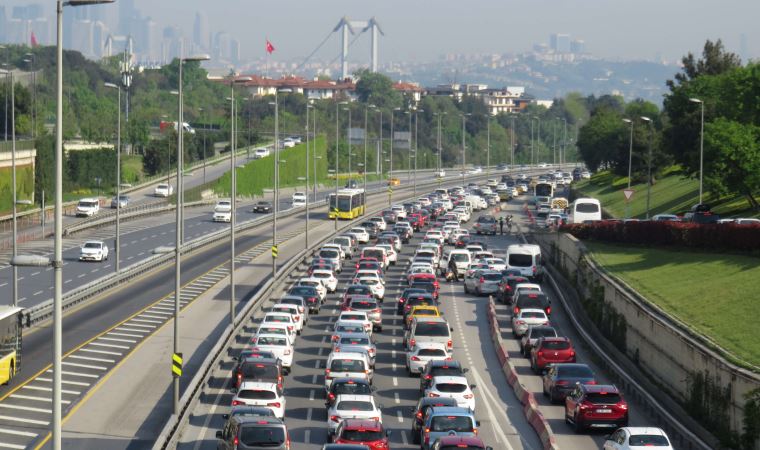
(446, 371)
(352, 388)
(598, 398)
(431, 352)
(586, 207)
(354, 341)
(492, 276)
(349, 328)
(277, 318)
(363, 305)
(556, 345)
(451, 387)
(251, 394)
(460, 257)
(373, 254)
(272, 330)
(648, 440)
(261, 436)
(362, 435)
(451, 423)
(354, 405)
(266, 340)
(532, 315)
(574, 371)
(542, 332)
(358, 290)
(303, 290)
(431, 329)
(518, 260)
(347, 365)
(260, 371)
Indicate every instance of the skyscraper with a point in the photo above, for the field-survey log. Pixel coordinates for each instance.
(127, 17)
(578, 46)
(560, 43)
(3, 25)
(200, 31)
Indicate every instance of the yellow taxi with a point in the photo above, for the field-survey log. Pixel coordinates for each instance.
(421, 311)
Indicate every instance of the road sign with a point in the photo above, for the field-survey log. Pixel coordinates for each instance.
(390, 190)
(177, 364)
(628, 193)
(274, 251)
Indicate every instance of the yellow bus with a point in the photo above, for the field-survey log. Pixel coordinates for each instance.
(10, 342)
(349, 205)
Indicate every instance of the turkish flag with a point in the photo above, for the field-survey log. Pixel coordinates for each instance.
(270, 47)
(34, 40)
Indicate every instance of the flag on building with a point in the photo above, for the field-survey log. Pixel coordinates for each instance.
(270, 47)
(34, 40)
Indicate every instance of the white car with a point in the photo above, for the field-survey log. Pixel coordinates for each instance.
(637, 438)
(440, 173)
(350, 326)
(526, 318)
(497, 264)
(256, 393)
(87, 207)
(260, 152)
(337, 247)
(288, 143)
(222, 216)
(327, 278)
(347, 365)
(418, 357)
(279, 345)
(284, 318)
(276, 328)
(163, 190)
(223, 206)
(316, 283)
(361, 234)
(356, 316)
(375, 285)
(452, 387)
(298, 318)
(390, 251)
(400, 211)
(298, 199)
(93, 251)
(347, 406)
(381, 225)
(367, 273)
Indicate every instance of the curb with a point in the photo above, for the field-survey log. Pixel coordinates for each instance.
(530, 407)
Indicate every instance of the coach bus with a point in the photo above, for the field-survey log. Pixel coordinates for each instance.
(10, 342)
(349, 204)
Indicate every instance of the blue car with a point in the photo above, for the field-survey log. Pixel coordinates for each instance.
(447, 421)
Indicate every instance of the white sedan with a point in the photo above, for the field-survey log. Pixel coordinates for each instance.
(93, 251)
(163, 190)
(633, 438)
(361, 234)
(316, 283)
(347, 406)
(375, 285)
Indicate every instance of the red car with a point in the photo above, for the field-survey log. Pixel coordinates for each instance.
(551, 350)
(460, 442)
(596, 406)
(364, 432)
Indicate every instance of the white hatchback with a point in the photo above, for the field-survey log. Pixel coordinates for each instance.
(256, 393)
(452, 387)
(327, 278)
(347, 406)
(418, 357)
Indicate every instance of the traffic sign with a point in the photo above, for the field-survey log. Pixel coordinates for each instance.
(274, 251)
(177, 364)
(390, 190)
(628, 193)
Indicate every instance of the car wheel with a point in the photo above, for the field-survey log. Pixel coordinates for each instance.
(415, 437)
(553, 398)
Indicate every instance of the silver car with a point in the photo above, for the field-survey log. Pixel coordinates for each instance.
(352, 342)
(482, 282)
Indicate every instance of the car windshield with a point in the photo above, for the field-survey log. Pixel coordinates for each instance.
(556, 345)
(432, 329)
(352, 388)
(518, 260)
(362, 435)
(251, 394)
(92, 245)
(354, 405)
(347, 365)
(648, 440)
(451, 423)
(460, 257)
(574, 371)
(266, 340)
(87, 204)
(258, 436)
(603, 398)
(587, 207)
(348, 328)
(263, 203)
(453, 388)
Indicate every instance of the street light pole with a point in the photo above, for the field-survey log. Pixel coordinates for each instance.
(416, 147)
(488, 145)
(701, 143)
(464, 148)
(563, 149)
(117, 245)
(306, 179)
(409, 152)
(630, 161)
(512, 142)
(348, 137)
(13, 189)
(649, 161)
(275, 194)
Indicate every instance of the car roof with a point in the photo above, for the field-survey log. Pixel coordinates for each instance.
(257, 386)
(362, 423)
(355, 398)
(646, 430)
(450, 410)
(348, 355)
(258, 420)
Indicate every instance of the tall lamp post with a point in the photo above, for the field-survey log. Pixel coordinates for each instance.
(630, 160)
(393, 140)
(117, 240)
(366, 140)
(649, 160)
(701, 143)
(6, 72)
(309, 106)
(9, 75)
(464, 133)
(512, 142)
(488, 145)
(416, 147)
(334, 206)
(57, 262)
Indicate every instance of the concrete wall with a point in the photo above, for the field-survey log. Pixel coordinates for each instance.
(663, 348)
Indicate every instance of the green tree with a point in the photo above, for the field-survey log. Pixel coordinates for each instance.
(732, 159)
(377, 89)
(601, 140)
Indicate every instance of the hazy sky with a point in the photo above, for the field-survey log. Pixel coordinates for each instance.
(424, 29)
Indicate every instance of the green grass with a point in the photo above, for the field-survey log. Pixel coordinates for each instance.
(672, 193)
(132, 169)
(24, 188)
(709, 291)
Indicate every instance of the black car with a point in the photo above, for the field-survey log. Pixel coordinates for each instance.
(423, 405)
(262, 207)
(406, 294)
(389, 216)
(256, 367)
(532, 299)
(350, 386)
(426, 284)
(507, 286)
(701, 213)
(371, 227)
(309, 295)
(560, 379)
(447, 368)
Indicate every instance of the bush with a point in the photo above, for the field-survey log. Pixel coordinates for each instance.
(745, 238)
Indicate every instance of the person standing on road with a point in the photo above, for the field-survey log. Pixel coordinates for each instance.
(501, 225)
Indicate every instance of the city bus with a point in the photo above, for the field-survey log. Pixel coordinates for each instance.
(584, 210)
(10, 342)
(542, 192)
(349, 205)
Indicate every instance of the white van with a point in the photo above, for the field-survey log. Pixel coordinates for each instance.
(88, 207)
(584, 209)
(527, 259)
(461, 258)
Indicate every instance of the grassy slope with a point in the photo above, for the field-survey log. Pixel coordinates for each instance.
(671, 194)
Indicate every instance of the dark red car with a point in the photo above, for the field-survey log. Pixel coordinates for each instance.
(551, 350)
(364, 432)
(596, 406)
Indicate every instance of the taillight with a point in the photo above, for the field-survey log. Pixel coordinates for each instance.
(468, 396)
(274, 405)
(520, 322)
(561, 383)
(412, 342)
(516, 310)
(414, 358)
(622, 405)
(534, 270)
(236, 402)
(286, 352)
(549, 310)
(592, 382)
(433, 394)
(419, 415)
(482, 280)
(449, 344)
(335, 418)
(540, 353)
(331, 396)
(297, 318)
(572, 354)
(236, 442)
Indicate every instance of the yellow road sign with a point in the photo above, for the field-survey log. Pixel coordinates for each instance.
(177, 364)
(274, 251)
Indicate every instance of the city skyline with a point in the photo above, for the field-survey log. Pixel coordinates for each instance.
(673, 29)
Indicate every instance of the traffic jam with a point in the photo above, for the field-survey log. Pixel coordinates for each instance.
(372, 297)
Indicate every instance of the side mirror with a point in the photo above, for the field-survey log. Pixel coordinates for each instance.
(225, 416)
(473, 386)
(219, 434)
(451, 328)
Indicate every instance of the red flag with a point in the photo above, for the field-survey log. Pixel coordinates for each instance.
(270, 47)
(34, 40)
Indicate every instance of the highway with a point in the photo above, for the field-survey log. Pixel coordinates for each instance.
(503, 424)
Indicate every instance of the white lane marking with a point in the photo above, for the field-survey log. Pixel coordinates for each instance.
(74, 383)
(403, 437)
(37, 293)
(395, 381)
(17, 433)
(307, 436)
(311, 395)
(4, 284)
(500, 436)
(67, 281)
(36, 399)
(141, 320)
(314, 379)
(138, 336)
(308, 414)
(400, 416)
(75, 374)
(19, 419)
(100, 344)
(102, 352)
(81, 275)
(396, 398)
(317, 364)
(36, 273)
(26, 408)
(87, 366)
(47, 389)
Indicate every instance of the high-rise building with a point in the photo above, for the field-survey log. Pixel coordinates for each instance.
(82, 37)
(578, 46)
(3, 25)
(222, 46)
(200, 31)
(560, 43)
(235, 51)
(127, 17)
(28, 12)
(147, 40)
